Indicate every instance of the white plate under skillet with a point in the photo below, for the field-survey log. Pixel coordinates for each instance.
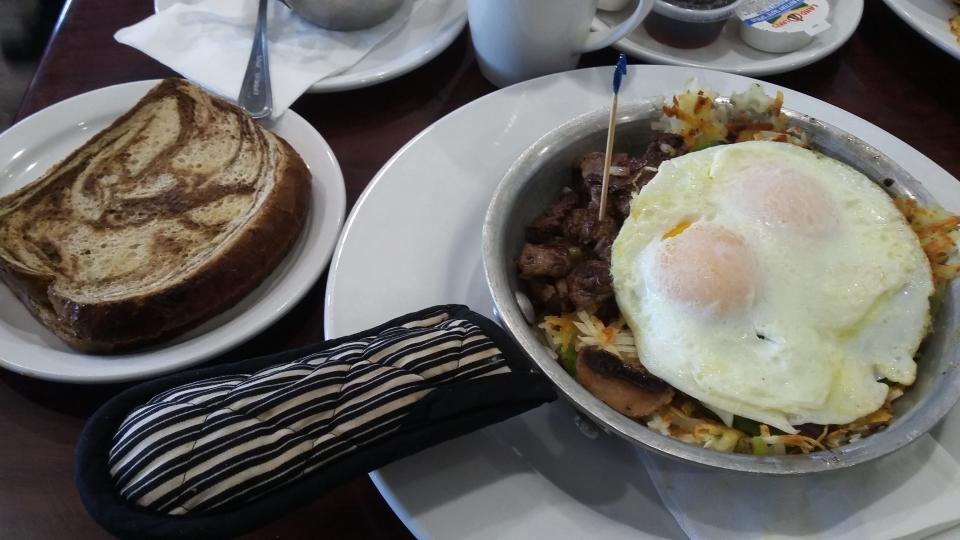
(931, 18)
(729, 53)
(430, 30)
(29, 148)
(413, 240)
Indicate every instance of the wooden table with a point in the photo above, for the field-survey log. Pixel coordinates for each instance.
(886, 74)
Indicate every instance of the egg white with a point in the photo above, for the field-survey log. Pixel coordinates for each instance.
(828, 286)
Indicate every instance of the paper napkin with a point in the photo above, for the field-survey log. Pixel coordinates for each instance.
(208, 42)
(910, 494)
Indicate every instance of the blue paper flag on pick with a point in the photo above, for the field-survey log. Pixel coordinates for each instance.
(619, 72)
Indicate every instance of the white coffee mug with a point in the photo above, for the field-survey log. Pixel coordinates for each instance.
(516, 40)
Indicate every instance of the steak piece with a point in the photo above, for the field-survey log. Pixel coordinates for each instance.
(628, 176)
(590, 283)
(550, 296)
(607, 311)
(591, 169)
(549, 224)
(554, 259)
(663, 147)
(582, 227)
(624, 170)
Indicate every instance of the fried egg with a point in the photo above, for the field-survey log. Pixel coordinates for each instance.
(774, 283)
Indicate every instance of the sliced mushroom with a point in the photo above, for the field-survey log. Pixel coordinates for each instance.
(630, 390)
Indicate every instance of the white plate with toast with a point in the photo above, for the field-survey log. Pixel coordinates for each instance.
(43, 139)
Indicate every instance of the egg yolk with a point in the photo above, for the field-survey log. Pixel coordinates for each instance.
(706, 267)
(783, 198)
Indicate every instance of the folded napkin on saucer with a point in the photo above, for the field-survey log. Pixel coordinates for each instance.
(912, 493)
(208, 42)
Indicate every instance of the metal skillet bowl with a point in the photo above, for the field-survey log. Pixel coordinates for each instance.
(534, 181)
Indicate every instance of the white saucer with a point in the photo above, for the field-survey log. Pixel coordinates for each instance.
(729, 53)
(413, 240)
(39, 141)
(429, 31)
(932, 19)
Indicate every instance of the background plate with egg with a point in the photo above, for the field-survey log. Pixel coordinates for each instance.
(933, 19)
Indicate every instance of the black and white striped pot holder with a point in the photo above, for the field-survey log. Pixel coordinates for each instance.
(218, 451)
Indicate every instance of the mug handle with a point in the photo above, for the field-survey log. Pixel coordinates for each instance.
(605, 38)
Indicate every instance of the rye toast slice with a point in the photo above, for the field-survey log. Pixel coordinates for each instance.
(164, 219)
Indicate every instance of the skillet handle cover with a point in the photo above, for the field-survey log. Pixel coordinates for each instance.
(215, 452)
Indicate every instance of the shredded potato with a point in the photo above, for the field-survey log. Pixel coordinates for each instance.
(696, 116)
(937, 230)
(559, 330)
(614, 338)
(698, 119)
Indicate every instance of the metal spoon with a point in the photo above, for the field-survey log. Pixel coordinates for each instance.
(255, 96)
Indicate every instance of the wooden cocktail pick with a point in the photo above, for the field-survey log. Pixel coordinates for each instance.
(618, 73)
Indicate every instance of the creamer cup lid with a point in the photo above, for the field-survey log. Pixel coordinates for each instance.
(787, 16)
